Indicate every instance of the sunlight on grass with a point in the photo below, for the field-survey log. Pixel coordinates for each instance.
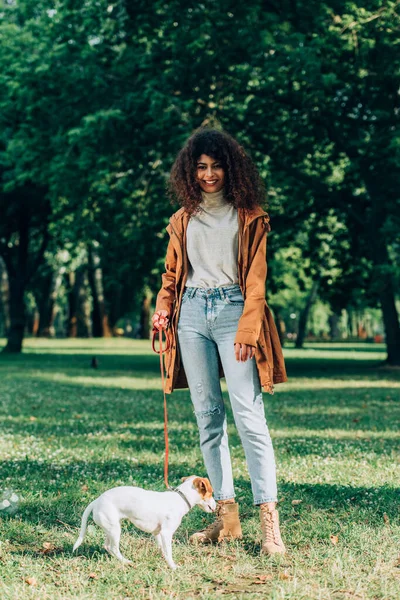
(329, 384)
(139, 383)
(120, 382)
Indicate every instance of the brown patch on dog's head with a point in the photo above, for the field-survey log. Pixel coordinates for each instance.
(188, 477)
(203, 486)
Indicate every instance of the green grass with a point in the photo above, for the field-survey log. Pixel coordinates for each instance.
(70, 432)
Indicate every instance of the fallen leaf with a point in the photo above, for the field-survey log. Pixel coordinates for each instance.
(386, 518)
(284, 575)
(263, 577)
(31, 581)
(349, 593)
(233, 588)
(84, 488)
(334, 539)
(296, 502)
(47, 547)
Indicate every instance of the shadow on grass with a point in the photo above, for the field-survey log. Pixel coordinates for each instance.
(145, 366)
(59, 410)
(341, 505)
(137, 365)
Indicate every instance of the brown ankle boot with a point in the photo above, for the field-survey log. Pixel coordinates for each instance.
(225, 526)
(271, 536)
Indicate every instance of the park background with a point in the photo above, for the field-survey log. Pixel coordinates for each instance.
(96, 99)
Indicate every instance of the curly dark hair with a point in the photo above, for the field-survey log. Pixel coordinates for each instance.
(243, 188)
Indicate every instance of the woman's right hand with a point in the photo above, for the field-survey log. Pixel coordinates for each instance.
(160, 319)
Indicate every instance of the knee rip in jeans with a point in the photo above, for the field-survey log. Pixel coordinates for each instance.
(215, 410)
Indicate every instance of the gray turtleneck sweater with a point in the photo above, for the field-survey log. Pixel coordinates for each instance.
(212, 243)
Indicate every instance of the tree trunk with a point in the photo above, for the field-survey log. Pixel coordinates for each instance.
(383, 268)
(384, 281)
(279, 322)
(78, 324)
(114, 312)
(145, 316)
(32, 321)
(305, 313)
(18, 278)
(31, 213)
(333, 321)
(17, 315)
(47, 303)
(4, 300)
(72, 329)
(99, 315)
(84, 328)
(391, 323)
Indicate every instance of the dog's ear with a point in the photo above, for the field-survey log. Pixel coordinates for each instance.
(208, 485)
(203, 486)
(200, 485)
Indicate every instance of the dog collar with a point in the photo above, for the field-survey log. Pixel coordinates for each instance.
(182, 495)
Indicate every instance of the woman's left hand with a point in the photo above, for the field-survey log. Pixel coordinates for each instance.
(244, 351)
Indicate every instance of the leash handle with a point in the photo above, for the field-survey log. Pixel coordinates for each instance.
(161, 351)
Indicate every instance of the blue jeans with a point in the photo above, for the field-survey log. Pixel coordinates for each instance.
(207, 327)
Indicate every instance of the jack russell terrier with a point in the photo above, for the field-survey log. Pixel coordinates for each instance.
(158, 513)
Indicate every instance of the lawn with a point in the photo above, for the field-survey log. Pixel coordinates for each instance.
(70, 432)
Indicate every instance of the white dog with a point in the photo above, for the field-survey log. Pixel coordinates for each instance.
(159, 513)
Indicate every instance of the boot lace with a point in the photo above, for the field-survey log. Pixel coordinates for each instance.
(271, 527)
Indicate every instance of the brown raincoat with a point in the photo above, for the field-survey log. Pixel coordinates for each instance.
(256, 325)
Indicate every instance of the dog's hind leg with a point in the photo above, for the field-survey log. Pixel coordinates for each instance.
(112, 541)
(157, 537)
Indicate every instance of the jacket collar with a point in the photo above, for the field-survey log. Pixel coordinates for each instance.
(180, 218)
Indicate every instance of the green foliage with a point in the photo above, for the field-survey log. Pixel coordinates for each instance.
(97, 98)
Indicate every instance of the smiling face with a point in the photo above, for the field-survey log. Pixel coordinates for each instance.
(210, 174)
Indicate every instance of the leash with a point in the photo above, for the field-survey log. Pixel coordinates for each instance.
(161, 351)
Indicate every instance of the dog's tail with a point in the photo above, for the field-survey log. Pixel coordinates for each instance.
(82, 532)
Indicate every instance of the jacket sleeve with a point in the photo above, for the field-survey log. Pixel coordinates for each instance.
(166, 295)
(250, 322)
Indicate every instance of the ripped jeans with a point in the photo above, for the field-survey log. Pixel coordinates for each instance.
(207, 327)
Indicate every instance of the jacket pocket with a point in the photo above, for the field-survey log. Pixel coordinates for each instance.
(264, 342)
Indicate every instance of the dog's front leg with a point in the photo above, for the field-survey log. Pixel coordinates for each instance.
(157, 538)
(165, 543)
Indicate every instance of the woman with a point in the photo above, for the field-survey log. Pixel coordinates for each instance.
(212, 306)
